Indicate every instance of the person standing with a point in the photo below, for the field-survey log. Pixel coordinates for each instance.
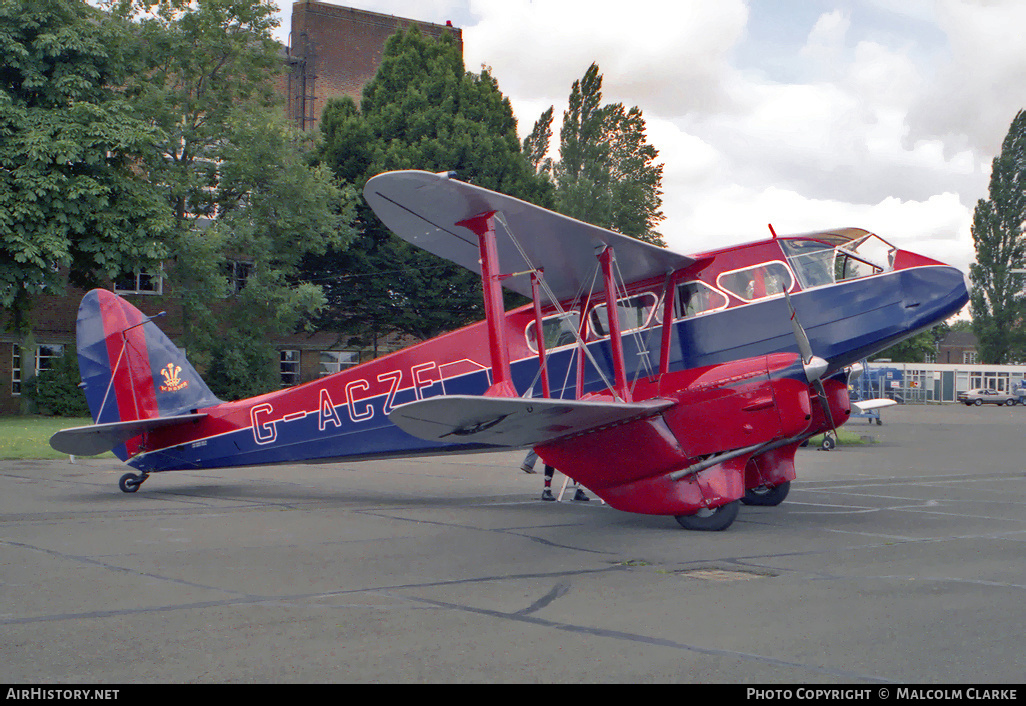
(528, 467)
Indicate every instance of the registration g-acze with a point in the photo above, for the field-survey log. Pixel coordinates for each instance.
(667, 384)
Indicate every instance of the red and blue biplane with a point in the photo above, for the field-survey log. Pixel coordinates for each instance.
(691, 398)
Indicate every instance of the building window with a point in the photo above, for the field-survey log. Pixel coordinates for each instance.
(46, 357)
(336, 361)
(238, 273)
(929, 357)
(289, 368)
(969, 357)
(16, 370)
(140, 283)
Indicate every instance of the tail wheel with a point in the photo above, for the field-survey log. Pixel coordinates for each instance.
(714, 519)
(767, 497)
(130, 482)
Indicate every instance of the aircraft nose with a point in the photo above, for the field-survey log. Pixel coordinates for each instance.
(933, 293)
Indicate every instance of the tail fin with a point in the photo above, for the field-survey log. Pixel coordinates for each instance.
(130, 370)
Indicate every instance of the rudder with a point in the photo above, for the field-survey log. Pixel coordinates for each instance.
(130, 370)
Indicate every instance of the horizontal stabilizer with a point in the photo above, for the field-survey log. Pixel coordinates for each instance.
(515, 422)
(866, 405)
(97, 438)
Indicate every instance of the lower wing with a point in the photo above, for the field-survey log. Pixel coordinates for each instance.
(513, 422)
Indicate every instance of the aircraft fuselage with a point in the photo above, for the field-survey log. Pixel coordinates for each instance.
(345, 415)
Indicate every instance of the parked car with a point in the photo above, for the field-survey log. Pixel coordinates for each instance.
(981, 396)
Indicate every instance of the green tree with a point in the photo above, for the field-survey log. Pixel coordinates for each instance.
(422, 110)
(606, 174)
(996, 301)
(56, 391)
(536, 145)
(73, 204)
(918, 347)
(247, 202)
(274, 209)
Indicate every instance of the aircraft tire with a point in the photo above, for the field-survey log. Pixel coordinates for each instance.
(714, 520)
(129, 483)
(767, 497)
(828, 443)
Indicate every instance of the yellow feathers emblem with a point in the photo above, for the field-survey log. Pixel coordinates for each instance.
(172, 383)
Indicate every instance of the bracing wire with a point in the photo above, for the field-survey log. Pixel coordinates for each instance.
(552, 298)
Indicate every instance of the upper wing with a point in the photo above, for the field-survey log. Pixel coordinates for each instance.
(512, 421)
(423, 208)
(97, 438)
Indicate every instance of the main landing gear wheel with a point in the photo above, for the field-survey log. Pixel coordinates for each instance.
(828, 442)
(714, 519)
(130, 482)
(767, 497)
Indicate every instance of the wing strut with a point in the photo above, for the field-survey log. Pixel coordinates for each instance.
(542, 365)
(613, 315)
(667, 332)
(483, 225)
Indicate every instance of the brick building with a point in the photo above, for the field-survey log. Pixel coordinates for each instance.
(957, 347)
(333, 51)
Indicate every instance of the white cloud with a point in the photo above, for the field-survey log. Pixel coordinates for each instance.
(668, 54)
(975, 94)
(884, 114)
(932, 227)
(825, 44)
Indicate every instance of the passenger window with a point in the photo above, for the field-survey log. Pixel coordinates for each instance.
(759, 282)
(633, 313)
(559, 331)
(695, 298)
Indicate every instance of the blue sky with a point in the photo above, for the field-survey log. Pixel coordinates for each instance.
(808, 114)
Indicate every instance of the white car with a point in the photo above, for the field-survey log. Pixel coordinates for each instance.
(981, 396)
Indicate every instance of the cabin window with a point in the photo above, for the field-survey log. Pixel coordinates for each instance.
(559, 330)
(752, 283)
(811, 260)
(694, 298)
(817, 262)
(633, 313)
(863, 257)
